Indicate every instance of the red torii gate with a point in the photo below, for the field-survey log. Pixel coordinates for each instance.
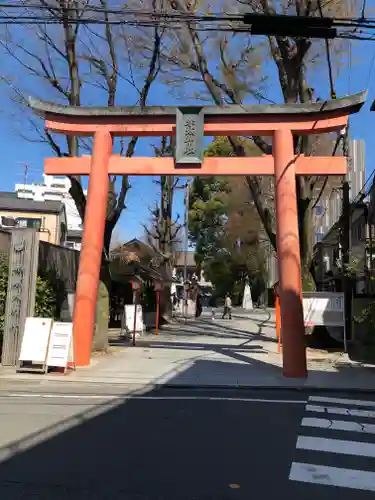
(189, 124)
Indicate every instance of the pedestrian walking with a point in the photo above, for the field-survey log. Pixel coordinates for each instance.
(227, 307)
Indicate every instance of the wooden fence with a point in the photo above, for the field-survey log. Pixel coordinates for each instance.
(60, 266)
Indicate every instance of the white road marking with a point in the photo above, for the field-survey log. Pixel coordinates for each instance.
(343, 401)
(336, 446)
(339, 410)
(338, 425)
(150, 398)
(177, 345)
(332, 476)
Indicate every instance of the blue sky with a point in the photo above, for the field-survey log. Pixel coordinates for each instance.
(144, 192)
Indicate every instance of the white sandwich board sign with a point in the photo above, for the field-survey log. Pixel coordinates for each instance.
(34, 346)
(128, 319)
(60, 351)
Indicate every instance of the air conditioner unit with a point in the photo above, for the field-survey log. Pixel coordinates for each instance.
(8, 222)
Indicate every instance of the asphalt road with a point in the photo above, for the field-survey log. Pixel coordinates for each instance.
(67, 442)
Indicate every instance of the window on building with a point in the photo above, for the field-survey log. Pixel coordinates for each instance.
(54, 194)
(319, 210)
(318, 236)
(29, 223)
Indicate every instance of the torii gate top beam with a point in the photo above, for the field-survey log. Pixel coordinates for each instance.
(310, 118)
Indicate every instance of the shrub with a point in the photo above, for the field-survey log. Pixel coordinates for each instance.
(45, 298)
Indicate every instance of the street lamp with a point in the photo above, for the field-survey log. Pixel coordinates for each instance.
(186, 246)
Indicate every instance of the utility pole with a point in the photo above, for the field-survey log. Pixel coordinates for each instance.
(26, 167)
(345, 256)
(186, 246)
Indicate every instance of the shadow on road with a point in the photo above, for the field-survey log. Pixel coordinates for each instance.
(143, 446)
(204, 326)
(152, 448)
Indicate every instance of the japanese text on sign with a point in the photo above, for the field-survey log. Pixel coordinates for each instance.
(323, 308)
(190, 137)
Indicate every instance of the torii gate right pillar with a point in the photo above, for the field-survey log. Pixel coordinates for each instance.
(288, 256)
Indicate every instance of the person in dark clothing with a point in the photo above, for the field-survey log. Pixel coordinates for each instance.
(213, 304)
(198, 307)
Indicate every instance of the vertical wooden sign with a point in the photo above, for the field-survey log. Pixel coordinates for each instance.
(20, 301)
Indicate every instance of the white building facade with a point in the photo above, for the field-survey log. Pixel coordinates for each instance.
(329, 208)
(56, 189)
(329, 211)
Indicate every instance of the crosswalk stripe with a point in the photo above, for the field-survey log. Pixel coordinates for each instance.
(338, 425)
(354, 422)
(350, 402)
(341, 411)
(336, 446)
(332, 476)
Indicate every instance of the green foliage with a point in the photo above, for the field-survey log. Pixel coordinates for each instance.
(308, 283)
(227, 271)
(209, 199)
(45, 298)
(221, 146)
(216, 251)
(207, 214)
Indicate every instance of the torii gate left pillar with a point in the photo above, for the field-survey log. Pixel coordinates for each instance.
(281, 122)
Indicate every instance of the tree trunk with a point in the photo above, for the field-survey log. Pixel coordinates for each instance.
(306, 233)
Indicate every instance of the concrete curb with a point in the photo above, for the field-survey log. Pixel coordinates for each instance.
(205, 387)
(297, 388)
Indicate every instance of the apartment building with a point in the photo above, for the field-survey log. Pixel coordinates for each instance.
(329, 208)
(48, 217)
(327, 219)
(56, 189)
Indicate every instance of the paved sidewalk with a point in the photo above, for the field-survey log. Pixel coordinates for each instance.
(206, 353)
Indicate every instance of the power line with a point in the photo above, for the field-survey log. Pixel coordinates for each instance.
(156, 15)
(370, 69)
(336, 21)
(165, 24)
(328, 54)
